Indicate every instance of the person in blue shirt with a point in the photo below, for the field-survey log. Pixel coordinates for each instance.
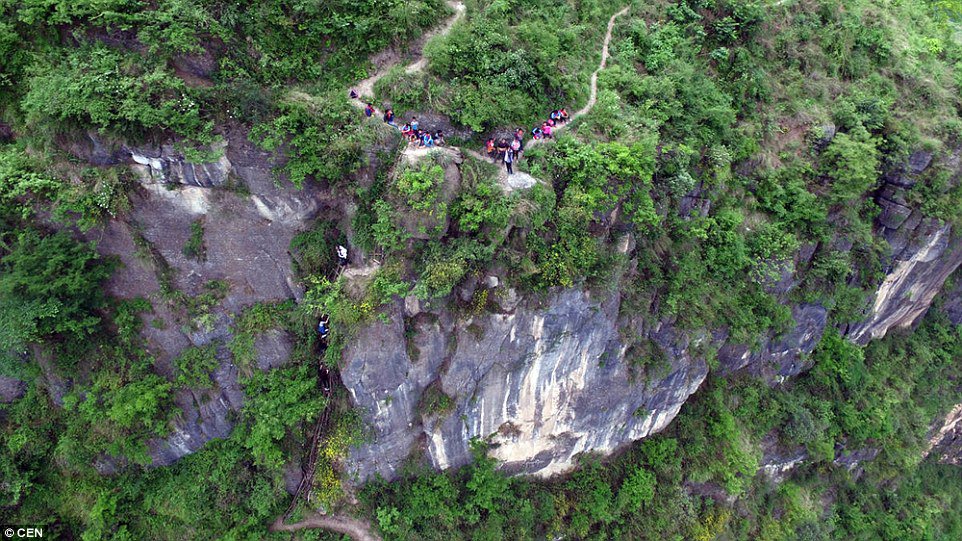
(322, 327)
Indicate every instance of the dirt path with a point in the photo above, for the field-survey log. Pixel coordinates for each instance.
(604, 60)
(357, 529)
(519, 180)
(365, 88)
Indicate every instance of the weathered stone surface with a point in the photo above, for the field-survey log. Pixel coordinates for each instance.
(205, 415)
(246, 243)
(273, 349)
(782, 357)
(953, 302)
(526, 381)
(946, 442)
(931, 253)
(11, 389)
(167, 165)
(893, 214)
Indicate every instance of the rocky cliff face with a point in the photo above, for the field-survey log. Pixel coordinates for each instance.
(248, 222)
(946, 442)
(540, 382)
(543, 382)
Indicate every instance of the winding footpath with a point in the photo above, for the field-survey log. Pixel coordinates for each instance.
(358, 529)
(365, 88)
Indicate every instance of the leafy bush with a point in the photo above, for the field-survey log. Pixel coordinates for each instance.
(49, 284)
(114, 92)
(321, 135)
(195, 365)
(277, 402)
(851, 160)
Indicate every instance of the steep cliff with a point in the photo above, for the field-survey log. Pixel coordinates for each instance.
(528, 380)
(542, 380)
(247, 222)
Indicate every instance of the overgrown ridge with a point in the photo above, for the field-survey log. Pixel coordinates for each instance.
(358, 529)
(520, 179)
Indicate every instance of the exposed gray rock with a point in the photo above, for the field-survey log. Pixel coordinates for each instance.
(246, 241)
(273, 349)
(893, 214)
(853, 460)
(930, 254)
(205, 415)
(11, 389)
(527, 382)
(905, 174)
(946, 441)
(167, 165)
(776, 359)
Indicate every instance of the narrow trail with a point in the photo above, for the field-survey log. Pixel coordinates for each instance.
(520, 179)
(356, 529)
(365, 88)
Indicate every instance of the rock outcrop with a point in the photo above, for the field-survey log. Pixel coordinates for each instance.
(541, 384)
(946, 442)
(245, 239)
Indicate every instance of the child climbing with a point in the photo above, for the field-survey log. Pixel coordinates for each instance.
(389, 117)
(546, 130)
(489, 147)
(369, 110)
(406, 131)
(439, 138)
(414, 123)
(537, 133)
(508, 160)
(323, 327)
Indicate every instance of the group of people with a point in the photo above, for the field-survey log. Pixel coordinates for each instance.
(500, 150)
(411, 131)
(423, 138)
(509, 153)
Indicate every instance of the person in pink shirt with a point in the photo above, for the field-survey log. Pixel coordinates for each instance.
(546, 129)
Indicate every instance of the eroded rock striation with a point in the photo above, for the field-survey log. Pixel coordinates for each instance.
(541, 383)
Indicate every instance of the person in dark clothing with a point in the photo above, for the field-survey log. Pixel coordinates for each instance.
(508, 160)
(369, 109)
(519, 133)
(502, 148)
(353, 94)
(389, 117)
(439, 138)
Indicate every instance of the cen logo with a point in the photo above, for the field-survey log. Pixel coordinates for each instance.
(22, 532)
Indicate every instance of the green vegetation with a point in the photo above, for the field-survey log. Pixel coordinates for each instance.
(49, 284)
(673, 485)
(194, 247)
(195, 364)
(731, 168)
